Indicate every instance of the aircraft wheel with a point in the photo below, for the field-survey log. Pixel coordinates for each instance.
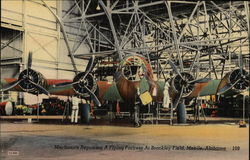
(85, 113)
(181, 113)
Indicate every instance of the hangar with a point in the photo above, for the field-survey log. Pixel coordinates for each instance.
(127, 63)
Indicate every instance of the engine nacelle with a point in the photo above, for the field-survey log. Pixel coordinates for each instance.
(177, 83)
(242, 84)
(234, 81)
(35, 77)
(89, 82)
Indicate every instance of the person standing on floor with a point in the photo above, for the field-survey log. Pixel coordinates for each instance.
(166, 98)
(75, 109)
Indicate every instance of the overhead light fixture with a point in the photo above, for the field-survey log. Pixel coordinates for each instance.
(98, 8)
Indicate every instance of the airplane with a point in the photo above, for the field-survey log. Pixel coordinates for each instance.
(134, 75)
(133, 86)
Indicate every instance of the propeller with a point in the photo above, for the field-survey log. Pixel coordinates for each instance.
(86, 72)
(10, 85)
(29, 80)
(182, 86)
(241, 63)
(238, 79)
(227, 87)
(178, 98)
(40, 88)
(29, 63)
(84, 83)
(175, 68)
(183, 83)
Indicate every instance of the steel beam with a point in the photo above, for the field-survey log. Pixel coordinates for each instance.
(64, 35)
(176, 41)
(108, 12)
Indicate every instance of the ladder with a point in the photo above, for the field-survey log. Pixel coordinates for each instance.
(164, 116)
(197, 111)
(66, 111)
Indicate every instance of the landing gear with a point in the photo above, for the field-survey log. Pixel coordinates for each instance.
(85, 116)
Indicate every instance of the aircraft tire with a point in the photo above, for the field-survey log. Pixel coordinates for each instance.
(181, 114)
(85, 113)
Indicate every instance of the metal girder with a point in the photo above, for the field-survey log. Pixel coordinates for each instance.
(108, 11)
(161, 31)
(10, 41)
(176, 41)
(64, 35)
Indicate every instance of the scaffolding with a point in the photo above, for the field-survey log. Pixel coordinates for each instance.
(202, 37)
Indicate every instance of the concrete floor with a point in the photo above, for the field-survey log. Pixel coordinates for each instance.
(161, 142)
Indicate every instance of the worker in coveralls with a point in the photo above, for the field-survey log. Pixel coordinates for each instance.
(166, 99)
(75, 109)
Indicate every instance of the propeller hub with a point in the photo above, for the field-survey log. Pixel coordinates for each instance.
(33, 76)
(184, 83)
(83, 82)
(88, 82)
(179, 82)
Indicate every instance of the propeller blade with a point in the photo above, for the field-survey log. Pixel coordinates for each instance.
(40, 88)
(11, 85)
(227, 87)
(178, 98)
(175, 69)
(29, 64)
(241, 64)
(201, 80)
(90, 66)
(93, 96)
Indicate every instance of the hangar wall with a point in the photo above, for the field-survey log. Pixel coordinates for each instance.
(40, 33)
(28, 25)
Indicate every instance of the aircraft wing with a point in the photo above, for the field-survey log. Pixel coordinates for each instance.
(205, 88)
(64, 91)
